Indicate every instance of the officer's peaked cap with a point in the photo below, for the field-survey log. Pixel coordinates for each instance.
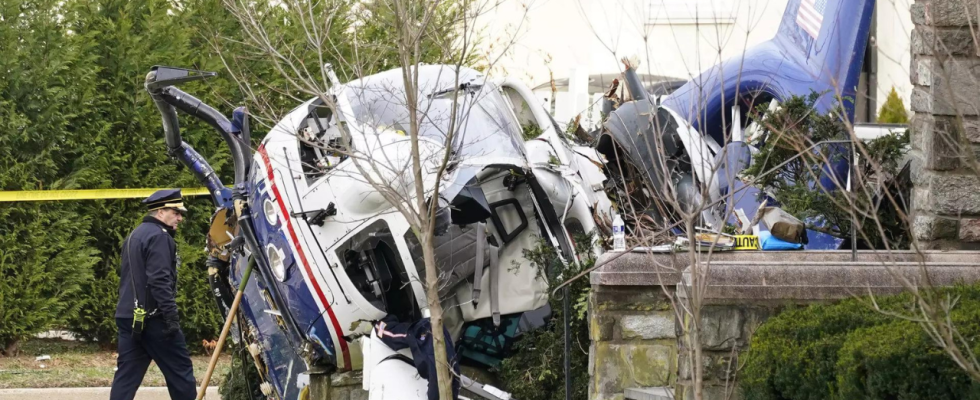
(166, 198)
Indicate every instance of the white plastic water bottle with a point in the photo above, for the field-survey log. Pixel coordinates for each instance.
(619, 234)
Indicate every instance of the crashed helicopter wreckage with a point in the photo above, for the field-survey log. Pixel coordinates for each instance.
(331, 252)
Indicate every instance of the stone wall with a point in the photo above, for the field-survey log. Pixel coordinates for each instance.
(336, 386)
(945, 74)
(726, 331)
(637, 337)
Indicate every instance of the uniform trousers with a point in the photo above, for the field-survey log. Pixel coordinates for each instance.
(170, 355)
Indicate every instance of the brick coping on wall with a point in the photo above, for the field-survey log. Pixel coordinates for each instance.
(790, 275)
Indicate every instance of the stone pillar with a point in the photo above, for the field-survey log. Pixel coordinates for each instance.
(633, 340)
(945, 75)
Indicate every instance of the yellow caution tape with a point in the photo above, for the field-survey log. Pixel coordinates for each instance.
(88, 194)
(746, 242)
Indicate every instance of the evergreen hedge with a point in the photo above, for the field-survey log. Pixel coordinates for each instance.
(850, 351)
(74, 115)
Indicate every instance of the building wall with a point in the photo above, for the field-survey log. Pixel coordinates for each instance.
(596, 34)
(678, 38)
(892, 41)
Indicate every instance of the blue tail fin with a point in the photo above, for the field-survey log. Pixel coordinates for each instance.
(819, 48)
(826, 39)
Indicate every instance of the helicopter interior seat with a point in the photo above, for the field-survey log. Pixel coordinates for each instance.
(521, 286)
(459, 252)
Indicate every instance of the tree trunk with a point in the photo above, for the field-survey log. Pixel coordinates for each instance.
(694, 302)
(698, 357)
(443, 376)
(11, 349)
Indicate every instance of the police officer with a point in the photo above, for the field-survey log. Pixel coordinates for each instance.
(146, 314)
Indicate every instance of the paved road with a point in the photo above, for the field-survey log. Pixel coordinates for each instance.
(96, 393)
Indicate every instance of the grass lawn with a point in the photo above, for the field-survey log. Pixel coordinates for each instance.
(79, 364)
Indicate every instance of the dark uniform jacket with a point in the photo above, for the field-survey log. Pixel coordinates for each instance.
(417, 337)
(149, 258)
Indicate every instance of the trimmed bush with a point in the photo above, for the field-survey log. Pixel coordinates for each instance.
(46, 255)
(897, 361)
(849, 351)
(95, 320)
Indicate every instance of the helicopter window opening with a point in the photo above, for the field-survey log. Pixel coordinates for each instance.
(372, 262)
(321, 146)
(520, 107)
(576, 231)
(574, 227)
(508, 218)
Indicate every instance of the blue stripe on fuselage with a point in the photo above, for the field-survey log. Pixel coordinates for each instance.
(299, 300)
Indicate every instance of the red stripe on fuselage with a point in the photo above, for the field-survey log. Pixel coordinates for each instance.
(302, 257)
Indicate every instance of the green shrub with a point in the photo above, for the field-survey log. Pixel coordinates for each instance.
(95, 321)
(795, 127)
(849, 351)
(801, 343)
(893, 110)
(897, 361)
(46, 254)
